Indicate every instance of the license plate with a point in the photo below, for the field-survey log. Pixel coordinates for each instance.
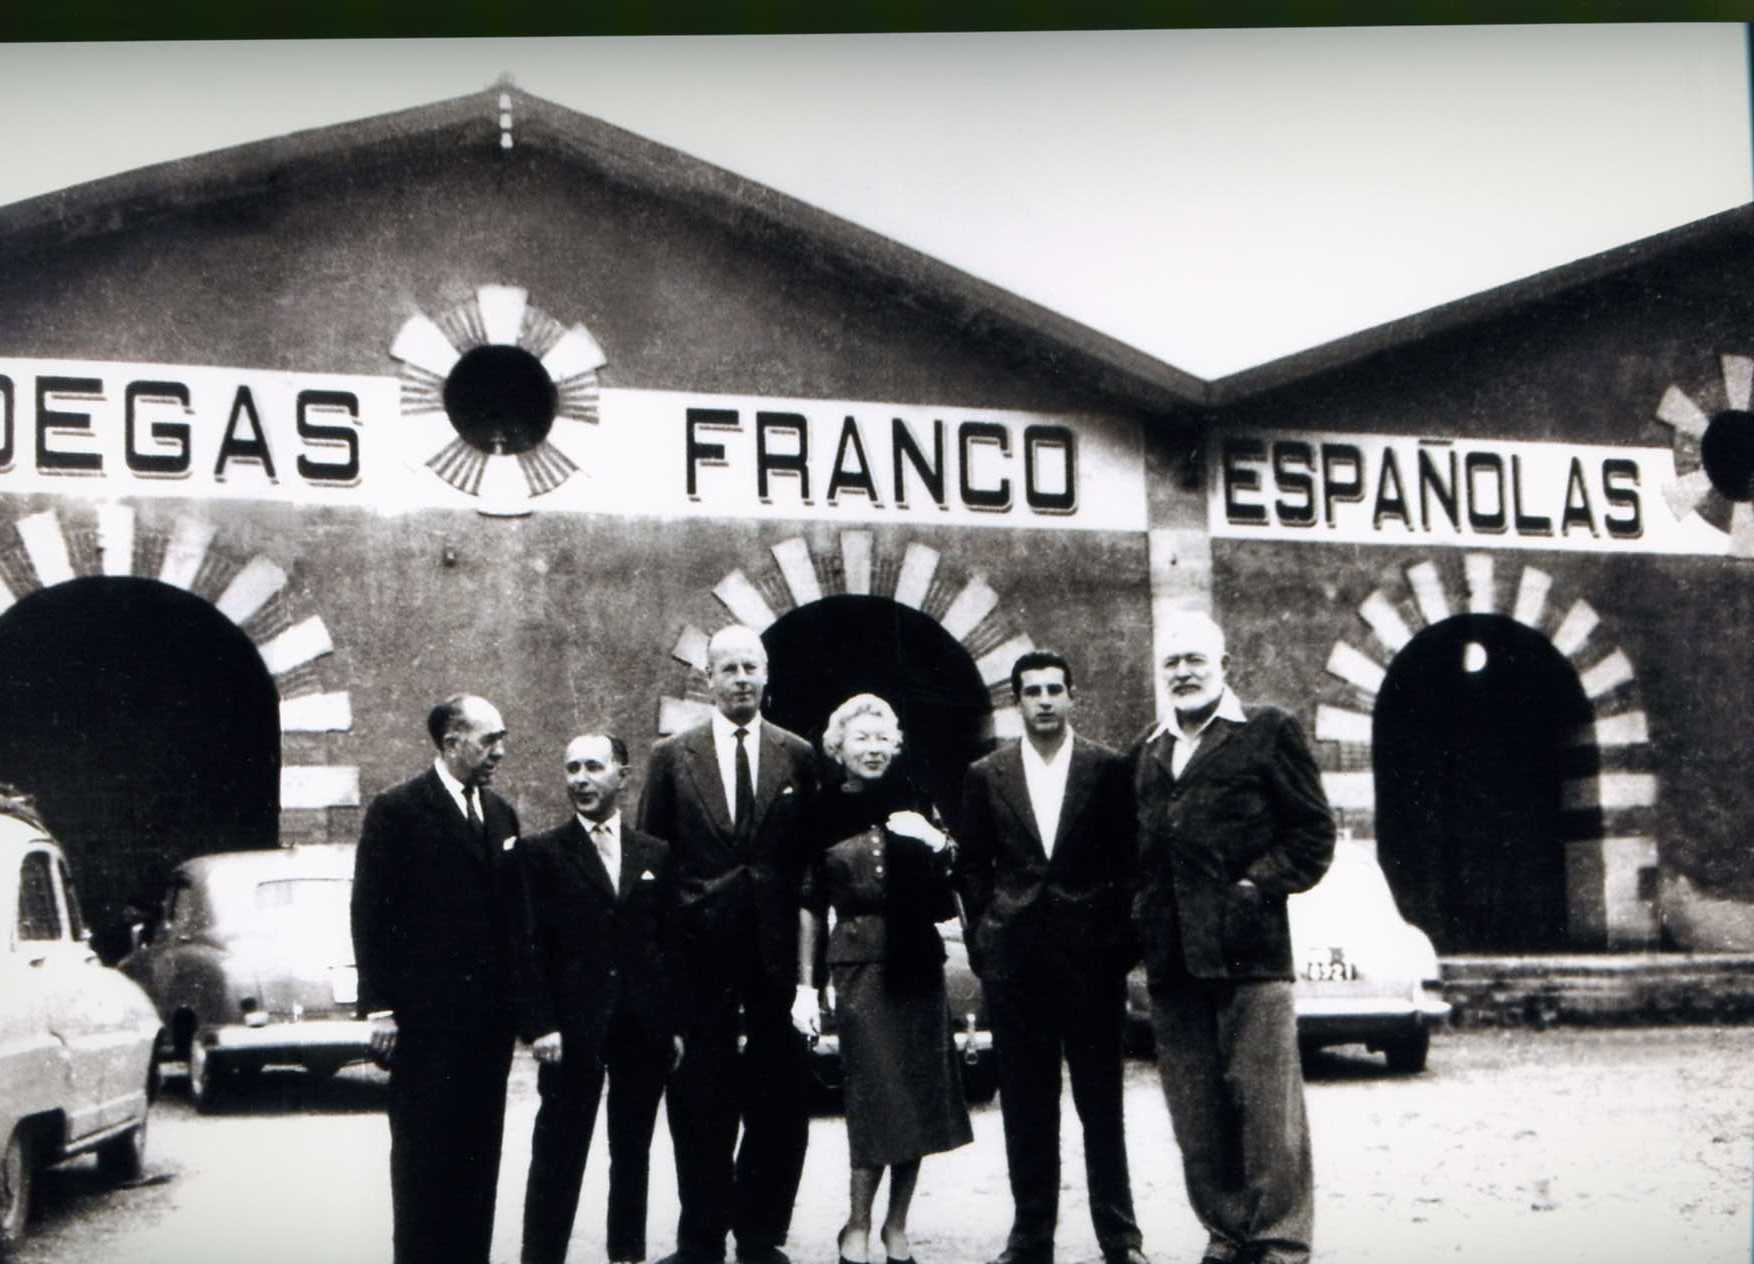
(1329, 966)
(344, 983)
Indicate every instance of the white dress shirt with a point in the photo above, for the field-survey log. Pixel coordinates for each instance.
(1229, 708)
(455, 789)
(1046, 779)
(725, 747)
(608, 844)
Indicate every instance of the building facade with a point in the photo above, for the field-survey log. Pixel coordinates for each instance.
(301, 436)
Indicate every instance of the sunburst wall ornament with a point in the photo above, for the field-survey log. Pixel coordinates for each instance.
(1714, 455)
(483, 386)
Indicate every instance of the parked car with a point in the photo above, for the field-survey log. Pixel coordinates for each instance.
(77, 1072)
(251, 965)
(968, 1012)
(1365, 975)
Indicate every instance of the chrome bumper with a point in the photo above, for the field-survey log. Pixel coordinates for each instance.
(330, 1036)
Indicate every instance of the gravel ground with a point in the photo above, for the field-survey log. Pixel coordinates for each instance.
(1615, 1147)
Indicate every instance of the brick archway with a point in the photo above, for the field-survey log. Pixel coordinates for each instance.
(793, 574)
(251, 590)
(1608, 814)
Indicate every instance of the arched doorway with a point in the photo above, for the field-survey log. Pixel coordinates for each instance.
(145, 725)
(822, 653)
(1471, 747)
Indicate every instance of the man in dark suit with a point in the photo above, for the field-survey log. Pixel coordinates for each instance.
(727, 795)
(1045, 850)
(594, 996)
(432, 914)
(1232, 820)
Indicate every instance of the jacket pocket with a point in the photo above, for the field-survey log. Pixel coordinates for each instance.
(1244, 928)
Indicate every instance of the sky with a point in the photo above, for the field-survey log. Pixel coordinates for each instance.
(1217, 199)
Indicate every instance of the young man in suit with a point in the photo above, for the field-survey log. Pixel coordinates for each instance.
(433, 907)
(727, 795)
(1045, 844)
(1232, 820)
(594, 997)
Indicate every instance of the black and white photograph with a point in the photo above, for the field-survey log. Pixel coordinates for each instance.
(1086, 646)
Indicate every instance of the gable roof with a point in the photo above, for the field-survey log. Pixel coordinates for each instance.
(261, 167)
(1726, 228)
(1102, 363)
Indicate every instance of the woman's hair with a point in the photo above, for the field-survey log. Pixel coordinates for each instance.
(835, 734)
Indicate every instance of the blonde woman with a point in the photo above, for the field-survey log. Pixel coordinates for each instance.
(880, 862)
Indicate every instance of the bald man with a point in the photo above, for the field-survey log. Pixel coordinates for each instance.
(434, 901)
(595, 1001)
(727, 795)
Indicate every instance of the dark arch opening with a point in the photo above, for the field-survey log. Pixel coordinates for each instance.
(144, 724)
(1472, 747)
(821, 654)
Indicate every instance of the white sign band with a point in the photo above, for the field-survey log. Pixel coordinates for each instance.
(1492, 493)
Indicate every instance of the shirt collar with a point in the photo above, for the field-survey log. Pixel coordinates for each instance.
(1229, 708)
(1061, 756)
(613, 821)
(725, 731)
(450, 783)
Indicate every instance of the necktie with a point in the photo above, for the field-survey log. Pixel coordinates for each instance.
(476, 825)
(743, 807)
(600, 836)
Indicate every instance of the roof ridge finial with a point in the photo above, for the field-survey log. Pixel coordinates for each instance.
(505, 86)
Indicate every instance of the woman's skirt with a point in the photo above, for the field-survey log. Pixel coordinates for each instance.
(903, 1085)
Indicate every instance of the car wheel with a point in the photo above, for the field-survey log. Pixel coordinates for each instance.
(206, 1076)
(124, 1159)
(1408, 1053)
(15, 1180)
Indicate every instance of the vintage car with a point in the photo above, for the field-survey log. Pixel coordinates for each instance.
(77, 1072)
(251, 965)
(968, 1012)
(1365, 975)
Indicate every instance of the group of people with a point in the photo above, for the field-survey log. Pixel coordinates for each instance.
(690, 954)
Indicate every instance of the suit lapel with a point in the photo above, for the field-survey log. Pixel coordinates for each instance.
(449, 818)
(1217, 733)
(1163, 752)
(583, 853)
(774, 771)
(1014, 789)
(703, 767)
(634, 862)
(1080, 777)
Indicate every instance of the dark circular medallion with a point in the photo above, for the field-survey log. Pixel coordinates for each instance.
(500, 399)
(1727, 452)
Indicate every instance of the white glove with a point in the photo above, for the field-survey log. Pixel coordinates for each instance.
(806, 1013)
(913, 825)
